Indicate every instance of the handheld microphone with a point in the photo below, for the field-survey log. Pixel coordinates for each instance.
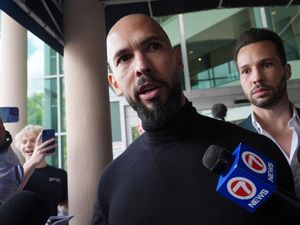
(247, 177)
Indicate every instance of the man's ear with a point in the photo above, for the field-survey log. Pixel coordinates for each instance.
(114, 84)
(288, 71)
(177, 52)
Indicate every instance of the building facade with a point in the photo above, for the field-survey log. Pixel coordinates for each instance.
(206, 40)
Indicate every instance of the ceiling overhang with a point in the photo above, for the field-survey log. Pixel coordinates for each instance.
(116, 9)
(44, 18)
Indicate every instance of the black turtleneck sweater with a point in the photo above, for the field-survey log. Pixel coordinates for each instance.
(160, 178)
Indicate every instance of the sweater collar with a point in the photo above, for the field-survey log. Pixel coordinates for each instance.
(174, 127)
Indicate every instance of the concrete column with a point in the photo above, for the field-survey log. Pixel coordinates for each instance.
(89, 141)
(13, 70)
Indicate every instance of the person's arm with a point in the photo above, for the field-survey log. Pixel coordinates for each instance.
(28, 168)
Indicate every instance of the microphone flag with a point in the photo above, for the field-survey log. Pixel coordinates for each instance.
(251, 179)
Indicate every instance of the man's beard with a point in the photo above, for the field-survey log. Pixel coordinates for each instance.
(161, 112)
(277, 93)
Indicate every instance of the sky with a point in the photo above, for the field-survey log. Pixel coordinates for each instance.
(35, 64)
(35, 58)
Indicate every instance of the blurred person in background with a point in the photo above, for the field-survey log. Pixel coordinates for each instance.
(47, 181)
(219, 111)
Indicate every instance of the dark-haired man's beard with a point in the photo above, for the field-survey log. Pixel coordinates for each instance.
(277, 93)
(162, 112)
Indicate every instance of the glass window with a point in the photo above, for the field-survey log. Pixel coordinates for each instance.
(210, 38)
(42, 102)
(61, 64)
(50, 104)
(51, 58)
(53, 159)
(53, 61)
(170, 24)
(63, 146)
(62, 104)
(46, 98)
(35, 102)
(115, 121)
(286, 22)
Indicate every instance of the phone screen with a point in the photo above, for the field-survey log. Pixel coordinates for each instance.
(9, 114)
(46, 135)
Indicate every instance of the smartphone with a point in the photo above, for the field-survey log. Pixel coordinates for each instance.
(46, 135)
(9, 114)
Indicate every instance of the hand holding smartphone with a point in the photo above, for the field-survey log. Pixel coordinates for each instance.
(47, 134)
(9, 114)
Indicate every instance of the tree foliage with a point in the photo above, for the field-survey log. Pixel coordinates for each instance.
(35, 105)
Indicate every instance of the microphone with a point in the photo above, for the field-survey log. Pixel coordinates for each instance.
(24, 208)
(247, 177)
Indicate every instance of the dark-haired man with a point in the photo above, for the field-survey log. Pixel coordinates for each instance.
(264, 71)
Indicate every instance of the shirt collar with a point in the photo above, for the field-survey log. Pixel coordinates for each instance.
(255, 124)
(294, 122)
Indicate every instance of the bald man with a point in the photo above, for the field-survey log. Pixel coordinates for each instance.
(160, 178)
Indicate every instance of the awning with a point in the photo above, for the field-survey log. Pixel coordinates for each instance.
(44, 18)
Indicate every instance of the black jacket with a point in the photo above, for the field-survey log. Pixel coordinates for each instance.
(247, 123)
(160, 178)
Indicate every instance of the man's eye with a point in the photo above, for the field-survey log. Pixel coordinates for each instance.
(267, 65)
(245, 71)
(154, 46)
(123, 58)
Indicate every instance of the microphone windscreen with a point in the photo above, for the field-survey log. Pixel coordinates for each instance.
(24, 208)
(211, 156)
(217, 159)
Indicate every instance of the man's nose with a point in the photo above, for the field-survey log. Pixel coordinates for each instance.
(142, 65)
(29, 143)
(257, 75)
(26, 144)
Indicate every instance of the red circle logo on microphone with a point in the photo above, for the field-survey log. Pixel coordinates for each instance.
(254, 162)
(241, 188)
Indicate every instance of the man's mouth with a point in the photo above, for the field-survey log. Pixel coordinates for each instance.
(260, 92)
(29, 152)
(148, 91)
